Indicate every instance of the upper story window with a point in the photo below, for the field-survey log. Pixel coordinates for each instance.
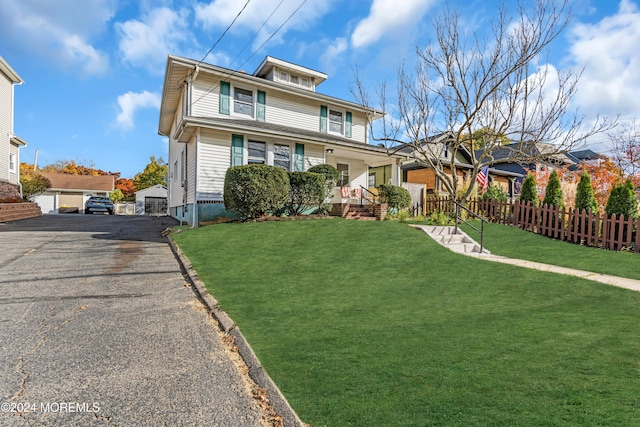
(257, 153)
(243, 101)
(294, 80)
(335, 121)
(284, 76)
(304, 81)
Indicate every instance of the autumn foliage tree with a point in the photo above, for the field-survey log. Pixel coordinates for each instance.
(70, 167)
(154, 173)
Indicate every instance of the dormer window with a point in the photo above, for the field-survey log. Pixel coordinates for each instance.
(304, 81)
(294, 79)
(243, 102)
(284, 76)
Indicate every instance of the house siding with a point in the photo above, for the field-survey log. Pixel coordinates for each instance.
(282, 108)
(214, 157)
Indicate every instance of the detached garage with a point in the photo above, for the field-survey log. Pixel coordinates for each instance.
(152, 201)
(69, 193)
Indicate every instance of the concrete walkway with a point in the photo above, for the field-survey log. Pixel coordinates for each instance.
(620, 282)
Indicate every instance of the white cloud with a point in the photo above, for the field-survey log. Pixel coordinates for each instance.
(130, 102)
(59, 31)
(608, 51)
(220, 13)
(389, 17)
(331, 55)
(146, 43)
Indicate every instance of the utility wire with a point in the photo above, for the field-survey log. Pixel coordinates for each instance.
(215, 85)
(225, 32)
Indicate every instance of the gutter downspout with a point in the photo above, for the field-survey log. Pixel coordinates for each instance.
(195, 184)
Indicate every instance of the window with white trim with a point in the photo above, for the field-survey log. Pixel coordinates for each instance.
(13, 167)
(343, 178)
(243, 101)
(336, 123)
(282, 156)
(294, 79)
(257, 152)
(284, 76)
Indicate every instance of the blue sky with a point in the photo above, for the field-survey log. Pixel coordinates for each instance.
(93, 69)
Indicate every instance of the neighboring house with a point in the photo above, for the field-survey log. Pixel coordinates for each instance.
(10, 144)
(544, 156)
(416, 173)
(152, 201)
(215, 118)
(69, 193)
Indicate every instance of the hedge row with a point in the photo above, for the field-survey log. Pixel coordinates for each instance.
(253, 191)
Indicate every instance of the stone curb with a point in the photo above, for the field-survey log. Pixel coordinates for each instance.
(256, 371)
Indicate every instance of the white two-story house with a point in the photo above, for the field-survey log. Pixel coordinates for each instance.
(10, 144)
(215, 118)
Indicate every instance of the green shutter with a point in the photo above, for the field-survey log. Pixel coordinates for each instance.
(323, 118)
(225, 92)
(262, 102)
(299, 159)
(237, 150)
(347, 125)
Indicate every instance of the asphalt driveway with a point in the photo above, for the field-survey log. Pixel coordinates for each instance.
(98, 328)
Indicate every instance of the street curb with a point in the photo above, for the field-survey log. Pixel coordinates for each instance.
(228, 326)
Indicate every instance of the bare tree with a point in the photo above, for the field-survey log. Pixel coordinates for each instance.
(498, 83)
(625, 148)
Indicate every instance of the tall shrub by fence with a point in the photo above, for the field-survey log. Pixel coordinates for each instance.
(572, 225)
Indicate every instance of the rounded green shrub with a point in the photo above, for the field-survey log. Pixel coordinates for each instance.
(495, 192)
(331, 177)
(395, 197)
(306, 189)
(252, 191)
(529, 192)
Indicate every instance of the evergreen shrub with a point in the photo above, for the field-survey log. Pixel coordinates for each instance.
(252, 191)
(553, 193)
(306, 189)
(394, 196)
(529, 192)
(331, 177)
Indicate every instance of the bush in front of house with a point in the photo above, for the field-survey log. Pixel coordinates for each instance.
(622, 201)
(33, 183)
(553, 193)
(585, 199)
(306, 189)
(394, 196)
(529, 192)
(331, 177)
(252, 191)
(495, 192)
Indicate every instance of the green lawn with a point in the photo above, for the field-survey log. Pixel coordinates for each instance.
(374, 324)
(515, 243)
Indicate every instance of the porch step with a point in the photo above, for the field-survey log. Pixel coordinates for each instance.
(457, 242)
(361, 213)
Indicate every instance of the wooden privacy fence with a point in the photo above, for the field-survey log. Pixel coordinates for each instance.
(572, 225)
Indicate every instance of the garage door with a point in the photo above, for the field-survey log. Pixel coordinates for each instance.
(155, 205)
(72, 201)
(47, 203)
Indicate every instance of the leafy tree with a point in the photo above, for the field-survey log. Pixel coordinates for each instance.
(585, 199)
(70, 167)
(154, 173)
(127, 187)
(33, 182)
(116, 195)
(484, 137)
(529, 192)
(553, 194)
(469, 80)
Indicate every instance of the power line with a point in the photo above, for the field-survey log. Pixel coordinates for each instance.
(215, 85)
(225, 32)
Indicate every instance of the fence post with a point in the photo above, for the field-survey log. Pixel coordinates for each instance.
(638, 236)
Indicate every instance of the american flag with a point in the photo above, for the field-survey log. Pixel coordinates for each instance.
(483, 177)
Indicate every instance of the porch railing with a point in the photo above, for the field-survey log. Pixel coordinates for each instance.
(366, 194)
